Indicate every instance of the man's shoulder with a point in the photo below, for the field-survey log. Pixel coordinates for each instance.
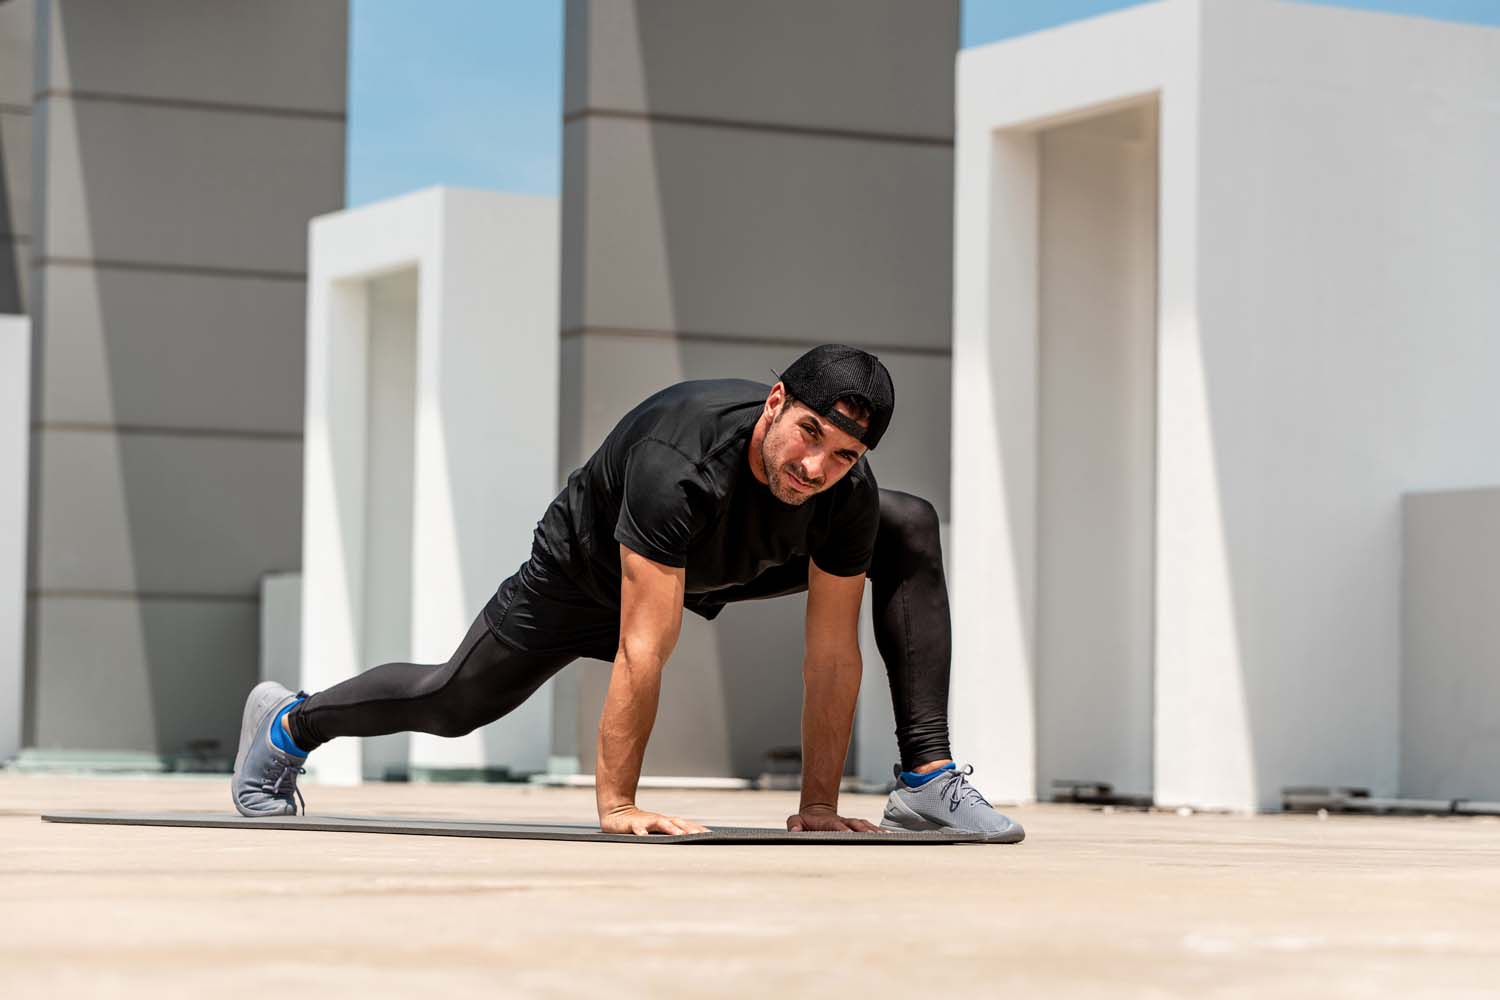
(854, 498)
(862, 487)
(697, 418)
(864, 474)
(708, 394)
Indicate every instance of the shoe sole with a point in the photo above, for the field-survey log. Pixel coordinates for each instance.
(1014, 836)
(912, 823)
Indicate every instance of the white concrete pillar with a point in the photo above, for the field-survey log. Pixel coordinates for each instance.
(431, 444)
(991, 699)
(15, 439)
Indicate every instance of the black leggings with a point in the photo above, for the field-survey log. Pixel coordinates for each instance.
(487, 677)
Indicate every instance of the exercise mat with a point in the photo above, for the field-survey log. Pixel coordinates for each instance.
(412, 826)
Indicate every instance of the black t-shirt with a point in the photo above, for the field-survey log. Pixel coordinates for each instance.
(672, 481)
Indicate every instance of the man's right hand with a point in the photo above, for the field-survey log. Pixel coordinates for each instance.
(641, 823)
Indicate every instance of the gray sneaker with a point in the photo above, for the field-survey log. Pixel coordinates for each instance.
(265, 776)
(948, 804)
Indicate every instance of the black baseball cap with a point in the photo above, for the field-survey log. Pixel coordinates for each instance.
(828, 373)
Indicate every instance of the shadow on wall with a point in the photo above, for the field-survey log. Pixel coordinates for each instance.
(12, 244)
(170, 366)
(199, 496)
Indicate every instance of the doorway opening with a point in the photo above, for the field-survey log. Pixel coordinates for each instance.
(1096, 450)
(390, 442)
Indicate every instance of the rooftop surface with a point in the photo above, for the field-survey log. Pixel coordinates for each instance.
(1092, 904)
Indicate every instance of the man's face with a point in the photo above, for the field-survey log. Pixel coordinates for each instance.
(804, 454)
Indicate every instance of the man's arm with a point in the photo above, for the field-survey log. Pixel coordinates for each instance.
(831, 671)
(650, 620)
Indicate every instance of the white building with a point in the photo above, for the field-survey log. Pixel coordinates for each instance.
(1225, 290)
(431, 447)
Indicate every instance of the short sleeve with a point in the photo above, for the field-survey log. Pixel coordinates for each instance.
(849, 545)
(662, 506)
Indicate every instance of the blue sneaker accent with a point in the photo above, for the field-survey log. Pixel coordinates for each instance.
(282, 738)
(911, 779)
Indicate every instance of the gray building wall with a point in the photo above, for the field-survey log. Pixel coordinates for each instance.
(17, 19)
(740, 183)
(181, 148)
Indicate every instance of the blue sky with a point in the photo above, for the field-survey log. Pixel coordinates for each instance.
(470, 94)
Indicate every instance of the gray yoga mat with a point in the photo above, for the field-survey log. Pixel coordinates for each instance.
(499, 831)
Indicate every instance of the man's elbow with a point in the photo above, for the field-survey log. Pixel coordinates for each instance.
(645, 652)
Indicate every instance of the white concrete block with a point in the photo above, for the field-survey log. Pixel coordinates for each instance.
(431, 442)
(1450, 671)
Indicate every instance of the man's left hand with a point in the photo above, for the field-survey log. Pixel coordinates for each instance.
(827, 819)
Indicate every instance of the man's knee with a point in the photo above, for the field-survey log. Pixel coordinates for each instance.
(908, 537)
(458, 713)
(908, 516)
(445, 712)
(452, 722)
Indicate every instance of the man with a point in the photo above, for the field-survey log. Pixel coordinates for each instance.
(706, 493)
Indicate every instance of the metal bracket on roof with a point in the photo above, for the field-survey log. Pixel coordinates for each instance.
(1096, 793)
(1334, 799)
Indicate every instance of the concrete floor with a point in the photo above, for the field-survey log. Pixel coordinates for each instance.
(1131, 904)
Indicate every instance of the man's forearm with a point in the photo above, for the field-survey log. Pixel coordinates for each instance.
(624, 728)
(830, 690)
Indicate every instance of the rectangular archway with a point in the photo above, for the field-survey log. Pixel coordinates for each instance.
(431, 447)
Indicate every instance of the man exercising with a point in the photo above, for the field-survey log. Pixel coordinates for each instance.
(706, 493)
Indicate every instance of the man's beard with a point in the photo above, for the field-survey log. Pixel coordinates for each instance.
(776, 481)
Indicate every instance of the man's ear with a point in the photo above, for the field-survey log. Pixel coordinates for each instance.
(776, 401)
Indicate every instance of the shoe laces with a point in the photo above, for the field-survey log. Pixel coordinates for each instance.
(956, 788)
(281, 779)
